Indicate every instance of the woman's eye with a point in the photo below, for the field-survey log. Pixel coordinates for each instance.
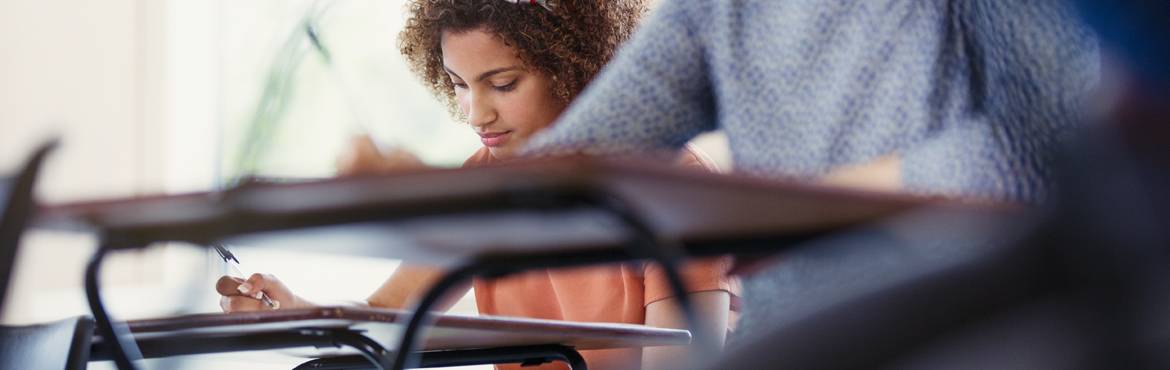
(507, 87)
(459, 85)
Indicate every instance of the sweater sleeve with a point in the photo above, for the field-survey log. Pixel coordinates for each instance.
(1029, 67)
(655, 94)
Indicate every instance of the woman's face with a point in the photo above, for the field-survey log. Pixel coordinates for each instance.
(504, 102)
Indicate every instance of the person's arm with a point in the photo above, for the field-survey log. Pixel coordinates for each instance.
(712, 314)
(710, 290)
(1027, 87)
(400, 290)
(363, 157)
(408, 283)
(654, 94)
(240, 295)
(1030, 65)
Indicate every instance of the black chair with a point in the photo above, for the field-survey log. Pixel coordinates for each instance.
(62, 344)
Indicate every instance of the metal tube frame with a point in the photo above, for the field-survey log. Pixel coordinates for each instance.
(123, 348)
(644, 243)
(191, 344)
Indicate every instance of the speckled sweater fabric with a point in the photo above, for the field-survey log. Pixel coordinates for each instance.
(970, 93)
(973, 94)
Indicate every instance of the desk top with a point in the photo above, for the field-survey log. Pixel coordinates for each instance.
(518, 206)
(448, 331)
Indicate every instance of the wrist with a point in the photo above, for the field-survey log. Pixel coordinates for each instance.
(298, 302)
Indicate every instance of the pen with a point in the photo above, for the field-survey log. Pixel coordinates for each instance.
(232, 261)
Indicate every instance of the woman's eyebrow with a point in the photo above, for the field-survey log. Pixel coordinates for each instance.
(485, 75)
(496, 71)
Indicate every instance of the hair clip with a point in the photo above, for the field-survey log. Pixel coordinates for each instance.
(547, 4)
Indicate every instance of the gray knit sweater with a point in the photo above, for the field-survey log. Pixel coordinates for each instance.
(972, 94)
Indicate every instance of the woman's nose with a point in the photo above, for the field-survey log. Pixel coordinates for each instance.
(480, 111)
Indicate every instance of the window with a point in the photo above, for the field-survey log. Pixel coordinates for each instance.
(289, 110)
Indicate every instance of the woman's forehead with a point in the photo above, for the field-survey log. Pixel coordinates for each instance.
(477, 50)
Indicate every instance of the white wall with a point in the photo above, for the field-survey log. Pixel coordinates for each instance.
(133, 88)
(96, 75)
(76, 69)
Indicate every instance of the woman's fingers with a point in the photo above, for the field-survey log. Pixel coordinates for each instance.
(231, 304)
(227, 285)
(250, 294)
(361, 157)
(401, 159)
(364, 157)
(233, 300)
(259, 285)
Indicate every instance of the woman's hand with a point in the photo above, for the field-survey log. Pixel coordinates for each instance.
(363, 157)
(239, 295)
(881, 174)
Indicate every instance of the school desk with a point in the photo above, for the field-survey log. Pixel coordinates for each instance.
(453, 340)
(486, 221)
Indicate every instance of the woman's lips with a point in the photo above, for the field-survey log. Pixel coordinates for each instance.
(492, 139)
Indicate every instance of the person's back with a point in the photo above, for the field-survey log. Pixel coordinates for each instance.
(802, 87)
(970, 97)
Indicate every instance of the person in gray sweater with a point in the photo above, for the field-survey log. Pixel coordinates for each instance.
(964, 98)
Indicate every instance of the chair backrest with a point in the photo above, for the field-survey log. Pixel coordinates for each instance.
(62, 344)
(16, 209)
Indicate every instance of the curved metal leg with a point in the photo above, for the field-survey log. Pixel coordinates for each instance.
(404, 356)
(572, 358)
(369, 348)
(122, 346)
(665, 252)
(644, 244)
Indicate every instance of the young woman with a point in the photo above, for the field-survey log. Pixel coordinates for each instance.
(510, 70)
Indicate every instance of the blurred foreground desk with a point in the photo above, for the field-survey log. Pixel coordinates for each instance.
(453, 340)
(487, 221)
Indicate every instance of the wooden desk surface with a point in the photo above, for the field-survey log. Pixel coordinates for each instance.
(438, 216)
(448, 332)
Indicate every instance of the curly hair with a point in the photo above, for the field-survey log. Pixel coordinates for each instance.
(569, 44)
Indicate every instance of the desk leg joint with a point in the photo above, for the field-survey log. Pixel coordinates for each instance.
(412, 333)
(369, 348)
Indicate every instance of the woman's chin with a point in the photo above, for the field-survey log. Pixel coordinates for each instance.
(502, 152)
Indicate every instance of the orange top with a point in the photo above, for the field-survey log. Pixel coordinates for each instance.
(615, 293)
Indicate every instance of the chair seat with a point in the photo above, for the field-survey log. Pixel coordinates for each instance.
(41, 346)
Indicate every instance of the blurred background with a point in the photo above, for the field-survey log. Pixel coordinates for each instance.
(168, 96)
